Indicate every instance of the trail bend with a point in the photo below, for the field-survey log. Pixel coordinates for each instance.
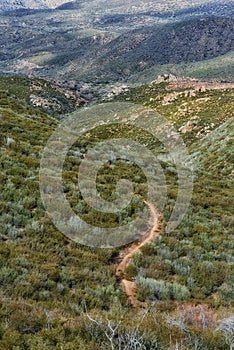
(154, 231)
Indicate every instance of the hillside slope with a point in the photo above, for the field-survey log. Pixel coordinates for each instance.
(7, 5)
(203, 113)
(189, 41)
(58, 294)
(96, 56)
(118, 5)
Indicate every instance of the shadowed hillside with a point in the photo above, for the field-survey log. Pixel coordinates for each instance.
(117, 46)
(190, 41)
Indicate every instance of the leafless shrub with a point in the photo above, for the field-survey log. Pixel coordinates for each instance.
(116, 337)
(226, 327)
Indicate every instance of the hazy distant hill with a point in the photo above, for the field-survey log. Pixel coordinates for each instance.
(117, 6)
(32, 4)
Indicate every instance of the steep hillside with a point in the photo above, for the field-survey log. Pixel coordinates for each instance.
(94, 55)
(62, 286)
(216, 152)
(21, 93)
(207, 69)
(58, 294)
(203, 113)
(190, 41)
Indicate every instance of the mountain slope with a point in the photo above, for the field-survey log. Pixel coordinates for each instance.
(205, 70)
(118, 5)
(92, 55)
(51, 289)
(21, 92)
(7, 5)
(203, 114)
(216, 151)
(189, 41)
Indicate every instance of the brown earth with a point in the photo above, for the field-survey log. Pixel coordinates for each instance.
(154, 231)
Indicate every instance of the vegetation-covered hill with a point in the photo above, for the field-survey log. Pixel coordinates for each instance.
(208, 69)
(205, 120)
(21, 93)
(118, 41)
(184, 42)
(57, 294)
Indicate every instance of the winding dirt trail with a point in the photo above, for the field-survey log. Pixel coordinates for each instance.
(154, 231)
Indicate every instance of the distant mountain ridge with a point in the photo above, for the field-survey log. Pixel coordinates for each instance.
(120, 6)
(7, 5)
(88, 41)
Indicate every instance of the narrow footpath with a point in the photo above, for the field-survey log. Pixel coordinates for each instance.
(154, 231)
